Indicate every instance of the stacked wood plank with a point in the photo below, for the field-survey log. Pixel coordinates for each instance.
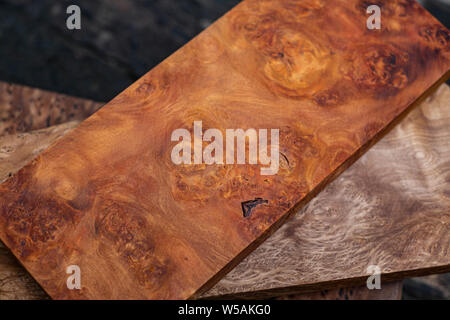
(117, 200)
(430, 120)
(24, 109)
(19, 149)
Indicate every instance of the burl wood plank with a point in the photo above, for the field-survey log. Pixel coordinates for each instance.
(108, 198)
(17, 150)
(24, 109)
(391, 208)
(16, 283)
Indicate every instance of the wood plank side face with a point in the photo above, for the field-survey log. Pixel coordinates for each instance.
(108, 198)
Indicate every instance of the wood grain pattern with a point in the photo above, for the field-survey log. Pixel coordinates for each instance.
(24, 109)
(391, 208)
(108, 198)
(16, 282)
(19, 149)
(389, 291)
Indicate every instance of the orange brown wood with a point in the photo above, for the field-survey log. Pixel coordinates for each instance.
(16, 283)
(108, 198)
(391, 208)
(428, 120)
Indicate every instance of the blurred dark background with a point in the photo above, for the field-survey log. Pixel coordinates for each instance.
(120, 40)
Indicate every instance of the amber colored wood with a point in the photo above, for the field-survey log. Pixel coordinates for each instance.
(24, 109)
(391, 208)
(15, 152)
(108, 198)
(16, 282)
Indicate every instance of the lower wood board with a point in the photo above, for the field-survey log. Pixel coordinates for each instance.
(108, 198)
(24, 109)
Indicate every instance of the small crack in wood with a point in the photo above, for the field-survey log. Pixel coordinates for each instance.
(248, 206)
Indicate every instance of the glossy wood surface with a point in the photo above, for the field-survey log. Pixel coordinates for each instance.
(391, 208)
(427, 129)
(17, 283)
(24, 109)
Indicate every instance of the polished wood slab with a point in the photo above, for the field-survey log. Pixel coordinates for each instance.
(108, 198)
(391, 208)
(431, 119)
(16, 283)
(19, 149)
